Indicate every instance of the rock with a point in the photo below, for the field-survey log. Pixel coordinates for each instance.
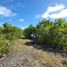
(63, 61)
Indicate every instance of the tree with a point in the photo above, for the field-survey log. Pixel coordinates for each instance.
(11, 32)
(52, 34)
(28, 31)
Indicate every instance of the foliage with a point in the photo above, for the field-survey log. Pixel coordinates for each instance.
(50, 33)
(53, 34)
(8, 33)
(11, 32)
(28, 31)
(4, 45)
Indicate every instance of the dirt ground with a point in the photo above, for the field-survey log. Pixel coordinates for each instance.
(22, 55)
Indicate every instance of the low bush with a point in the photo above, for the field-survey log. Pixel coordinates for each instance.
(28, 31)
(4, 45)
(8, 34)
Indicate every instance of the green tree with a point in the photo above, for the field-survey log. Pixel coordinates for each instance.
(28, 31)
(52, 34)
(11, 32)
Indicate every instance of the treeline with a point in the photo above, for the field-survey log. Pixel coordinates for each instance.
(8, 34)
(52, 34)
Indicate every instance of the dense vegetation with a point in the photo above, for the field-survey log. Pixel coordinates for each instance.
(8, 34)
(51, 34)
(27, 32)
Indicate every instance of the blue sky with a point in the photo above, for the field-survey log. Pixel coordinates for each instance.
(22, 13)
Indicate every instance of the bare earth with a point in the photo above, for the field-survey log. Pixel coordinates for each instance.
(22, 55)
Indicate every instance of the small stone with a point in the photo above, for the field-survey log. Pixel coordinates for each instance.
(63, 61)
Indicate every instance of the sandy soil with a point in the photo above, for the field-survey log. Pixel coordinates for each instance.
(22, 55)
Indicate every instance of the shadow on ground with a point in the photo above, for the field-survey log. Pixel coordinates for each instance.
(44, 48)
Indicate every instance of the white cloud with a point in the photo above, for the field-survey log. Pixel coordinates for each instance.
(61, 14)
(21, 20)
(58, 11)
(55, 8)
(6, 12)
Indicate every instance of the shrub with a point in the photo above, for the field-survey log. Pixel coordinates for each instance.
(11, 32)
(53, 34)
(28, 31)
(4, 45)
(8, 34)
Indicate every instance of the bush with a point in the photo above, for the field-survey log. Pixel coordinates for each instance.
(11, 32)
(4, 45)
(28, 31)
(50, 33)
(53, 34)
(8, 34)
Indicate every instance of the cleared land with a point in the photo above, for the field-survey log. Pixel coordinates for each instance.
(22, 55)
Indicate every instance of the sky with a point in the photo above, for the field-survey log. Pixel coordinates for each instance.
(22, 13)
